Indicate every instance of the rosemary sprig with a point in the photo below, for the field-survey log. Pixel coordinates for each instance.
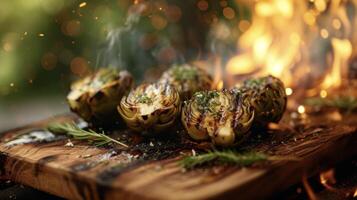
(71, 129)
(228, 157)
(347, 103)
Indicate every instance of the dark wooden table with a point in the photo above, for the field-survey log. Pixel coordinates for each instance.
(346, 184)
(16, 114)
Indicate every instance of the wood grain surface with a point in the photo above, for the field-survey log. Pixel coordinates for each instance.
(149, 168)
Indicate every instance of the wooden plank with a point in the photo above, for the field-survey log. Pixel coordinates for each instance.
(149, 169)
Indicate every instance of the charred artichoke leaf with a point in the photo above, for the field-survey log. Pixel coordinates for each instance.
(96, 96)
(187, 79)
(221, 116)
(267, 96)
(150, 107)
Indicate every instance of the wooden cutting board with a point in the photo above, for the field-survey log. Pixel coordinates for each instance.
(150, 170)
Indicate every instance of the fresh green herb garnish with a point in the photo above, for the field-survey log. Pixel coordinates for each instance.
(225, 157)
(206, 101)
(346, 103)
(74, 131)
(184, 73)
(254, 82)
(143, 98)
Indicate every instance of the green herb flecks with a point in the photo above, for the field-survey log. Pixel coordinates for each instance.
(251, 83)
(223, 157)
(345, 103)
(184, 73)
(71, 129)
(143, 98)
(207, 101)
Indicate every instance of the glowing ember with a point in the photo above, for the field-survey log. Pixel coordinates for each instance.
(301, 109)
(328, 178)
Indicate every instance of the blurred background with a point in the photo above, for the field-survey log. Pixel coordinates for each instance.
(46, 44)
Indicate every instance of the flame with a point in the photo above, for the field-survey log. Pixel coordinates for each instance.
(327, 179)
(307, 44)
(343, 50)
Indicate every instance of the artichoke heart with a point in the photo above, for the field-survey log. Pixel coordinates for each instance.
(221, 116)
(267, 96)
(150, 107)
(187, 79)
(95, 97)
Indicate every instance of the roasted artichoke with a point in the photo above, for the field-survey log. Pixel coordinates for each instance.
(95, 97)
(221, 116)
(267, 96)
(187, 80)
(150, 107)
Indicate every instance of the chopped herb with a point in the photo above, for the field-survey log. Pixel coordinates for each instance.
(206, 101)
(143, 98)
(71, 129)
(184, 73)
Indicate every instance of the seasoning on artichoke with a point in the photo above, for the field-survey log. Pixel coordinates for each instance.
(187, 79)
(95, 97)
(267, 96)
(150, 107)
(221, 116)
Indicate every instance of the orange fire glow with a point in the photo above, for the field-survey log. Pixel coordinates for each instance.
(307, 44)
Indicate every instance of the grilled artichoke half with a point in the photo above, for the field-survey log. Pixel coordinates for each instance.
(150, 107)
(187, 80)
(267, 96)
(221, 116)
(95, 97)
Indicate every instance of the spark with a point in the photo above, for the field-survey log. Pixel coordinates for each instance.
(324, 33)
(301, 109)
(83, 4)
(41, 35)
(323, 94)
(12, 84)
(288, 91)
